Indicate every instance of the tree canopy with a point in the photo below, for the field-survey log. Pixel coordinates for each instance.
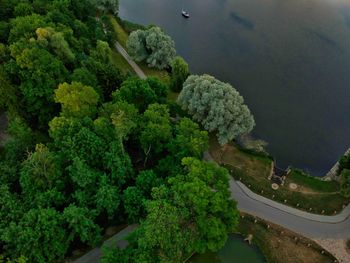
(153, 46)
(179, 73)
(217, 106)
(90, 147)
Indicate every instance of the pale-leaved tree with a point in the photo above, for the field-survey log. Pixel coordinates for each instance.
(217, 106)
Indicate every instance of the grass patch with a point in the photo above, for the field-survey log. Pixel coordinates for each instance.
(280, 245)
(301, 178)
(163, 75)
(121, 63)
(122, 36)
(253, 170)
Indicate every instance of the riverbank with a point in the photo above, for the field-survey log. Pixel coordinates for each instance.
(280, 245)
(311, 194)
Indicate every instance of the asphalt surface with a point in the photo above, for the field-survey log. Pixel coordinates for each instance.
(125, 54)
(307, 224)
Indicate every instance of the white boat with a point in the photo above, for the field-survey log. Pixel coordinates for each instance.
(185, 14)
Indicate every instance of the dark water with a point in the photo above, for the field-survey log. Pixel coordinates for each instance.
(290, 59)
(235, 250)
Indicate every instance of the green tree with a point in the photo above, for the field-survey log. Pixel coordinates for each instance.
(80, 221)
(156, 132)
(11, 208)
(345, 182)
(41, 178)
(194, 214)
(140, 92)
(85, 77)
(217, 106)
(77, 100)
(25, 26)
(179, 73)
(56, 41)
(189, 140)
(204, 190)
(107, 6)
(162, 237)
(39, 236)
(133, 200)
(23, 9)
(153, 46)
(146, 180)
(39, 73)
(107, 197)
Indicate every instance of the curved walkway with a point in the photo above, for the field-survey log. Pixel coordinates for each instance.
(307, 224)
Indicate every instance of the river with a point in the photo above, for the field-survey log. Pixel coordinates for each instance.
(290, 59)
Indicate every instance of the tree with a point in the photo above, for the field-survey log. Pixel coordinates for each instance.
(25, 26)
(60, 46)
(193, 214)
(77, 100)
(141, 92)
(133, 203)
(156, 132)
(23, 9)
(179, 73)
(81, 224)
(85, 77)
(189, 140)
(152, 45)
(107, 6)
(163, 237)
(345, 182)
(39, 236)
(107, 197)
(204, 191)
(217, 106)
(41, 178)
(39, 73)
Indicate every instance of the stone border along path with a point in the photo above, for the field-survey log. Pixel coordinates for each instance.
(131, 62)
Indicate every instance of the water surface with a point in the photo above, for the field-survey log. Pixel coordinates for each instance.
(235, 250)
(290, 59)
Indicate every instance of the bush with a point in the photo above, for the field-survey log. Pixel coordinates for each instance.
(344, 162)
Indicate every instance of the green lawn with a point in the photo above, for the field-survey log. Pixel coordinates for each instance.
(253, 170)
(122, 36)
(121, 63)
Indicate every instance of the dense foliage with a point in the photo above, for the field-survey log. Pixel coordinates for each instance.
(153, 46)
(217, 106)
(179, 73)
(90, 148)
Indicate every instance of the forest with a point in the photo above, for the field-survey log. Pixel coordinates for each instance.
(91, 147)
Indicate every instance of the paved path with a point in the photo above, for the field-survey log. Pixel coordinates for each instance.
(117, 240)
(307, 224)
(125, 54)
